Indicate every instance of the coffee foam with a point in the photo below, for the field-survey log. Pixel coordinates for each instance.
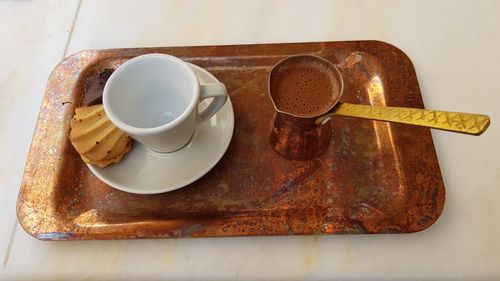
(304, 87)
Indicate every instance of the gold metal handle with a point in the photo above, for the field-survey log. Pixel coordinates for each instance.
(467, 123)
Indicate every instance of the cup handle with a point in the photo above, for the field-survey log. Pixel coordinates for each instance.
(219, 93)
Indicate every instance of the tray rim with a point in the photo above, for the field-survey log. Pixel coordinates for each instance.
(28, 220)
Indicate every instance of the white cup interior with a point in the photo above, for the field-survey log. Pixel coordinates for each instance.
(150, 91)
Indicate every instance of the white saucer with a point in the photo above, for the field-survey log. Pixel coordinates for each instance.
(143, 171)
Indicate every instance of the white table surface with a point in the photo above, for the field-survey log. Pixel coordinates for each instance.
(454, 45)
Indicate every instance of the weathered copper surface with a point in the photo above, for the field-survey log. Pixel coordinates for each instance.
(375, 177)
(299, 138)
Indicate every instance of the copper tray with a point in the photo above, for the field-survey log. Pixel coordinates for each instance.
(375, 177)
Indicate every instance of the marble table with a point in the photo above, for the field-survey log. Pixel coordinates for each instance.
(454, 46)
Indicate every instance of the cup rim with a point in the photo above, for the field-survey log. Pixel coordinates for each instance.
(335, 68)
(142, 131)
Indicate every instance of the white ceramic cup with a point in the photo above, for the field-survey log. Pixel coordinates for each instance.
(154, 98)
